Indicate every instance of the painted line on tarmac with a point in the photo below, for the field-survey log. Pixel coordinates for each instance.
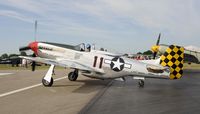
(26, 88)
(2, 74)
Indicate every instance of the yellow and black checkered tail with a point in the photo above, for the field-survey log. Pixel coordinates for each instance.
(173, 58)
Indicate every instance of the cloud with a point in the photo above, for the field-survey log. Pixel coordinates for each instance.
(13, 14)
(30, 6)
(111, 19)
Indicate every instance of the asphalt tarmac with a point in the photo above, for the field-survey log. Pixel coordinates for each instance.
(21, 92)
(157, 97)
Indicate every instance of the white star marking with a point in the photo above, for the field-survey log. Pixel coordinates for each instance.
(117, 64)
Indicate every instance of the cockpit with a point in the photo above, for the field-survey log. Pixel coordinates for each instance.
(83, 47)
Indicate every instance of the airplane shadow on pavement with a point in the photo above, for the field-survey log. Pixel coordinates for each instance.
(88, 86)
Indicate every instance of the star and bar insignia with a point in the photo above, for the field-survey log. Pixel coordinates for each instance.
(117, 64)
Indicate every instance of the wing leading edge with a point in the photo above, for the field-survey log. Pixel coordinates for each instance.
(64, 63)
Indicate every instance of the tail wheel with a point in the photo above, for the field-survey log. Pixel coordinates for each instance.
(141, 83)
(72, 76)
(46, 83)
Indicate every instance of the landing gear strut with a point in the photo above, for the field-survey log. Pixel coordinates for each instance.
(47, 81)
(141, 83)
(72, 76)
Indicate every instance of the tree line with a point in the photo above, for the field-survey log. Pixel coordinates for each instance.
(8, 56)
(148, 52)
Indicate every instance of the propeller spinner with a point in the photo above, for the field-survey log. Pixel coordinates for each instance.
(156, 47)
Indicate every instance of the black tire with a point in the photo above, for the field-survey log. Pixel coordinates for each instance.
(72, 76)
(46, 83)
(141, 83)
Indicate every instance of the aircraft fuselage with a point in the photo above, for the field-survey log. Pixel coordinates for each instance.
(113, 67)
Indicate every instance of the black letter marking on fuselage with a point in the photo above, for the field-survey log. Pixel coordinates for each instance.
(101, 62)
(95, 62)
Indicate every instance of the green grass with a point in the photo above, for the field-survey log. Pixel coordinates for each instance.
(191, 66)
(9, 67)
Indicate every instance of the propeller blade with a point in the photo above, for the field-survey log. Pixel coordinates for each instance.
(33, 63)
(158, 41)
(24, 48)
(155, 48)
(35, 35)
(154, 55)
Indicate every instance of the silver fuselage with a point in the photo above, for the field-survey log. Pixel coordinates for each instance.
(101, 62)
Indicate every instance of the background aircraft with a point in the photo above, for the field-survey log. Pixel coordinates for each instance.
(95, 64)
(191, 53)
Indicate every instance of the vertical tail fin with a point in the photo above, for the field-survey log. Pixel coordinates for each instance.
(173, 58)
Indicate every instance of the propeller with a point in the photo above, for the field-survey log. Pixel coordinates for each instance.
(25, 48)
(158, 41)
(34, 55)
(22, 49)
(155, 48)
(32, 46)
(33, 63)
(35, 35)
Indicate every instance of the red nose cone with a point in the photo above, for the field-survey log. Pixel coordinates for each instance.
(34, 47)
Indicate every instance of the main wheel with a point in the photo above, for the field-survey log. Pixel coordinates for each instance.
(141, 83)
(72, 76)
(46, 83)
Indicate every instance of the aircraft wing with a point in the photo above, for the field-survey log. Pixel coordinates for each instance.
(63, 63)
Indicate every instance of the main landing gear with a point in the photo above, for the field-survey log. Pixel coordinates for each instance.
(72, 76)
(47, 81)
(141, 81)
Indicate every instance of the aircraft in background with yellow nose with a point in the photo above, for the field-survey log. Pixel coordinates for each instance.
(191, 55)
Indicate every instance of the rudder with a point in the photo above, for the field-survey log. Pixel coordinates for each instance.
(173, 58)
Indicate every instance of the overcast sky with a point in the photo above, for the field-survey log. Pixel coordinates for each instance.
(125, 26)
